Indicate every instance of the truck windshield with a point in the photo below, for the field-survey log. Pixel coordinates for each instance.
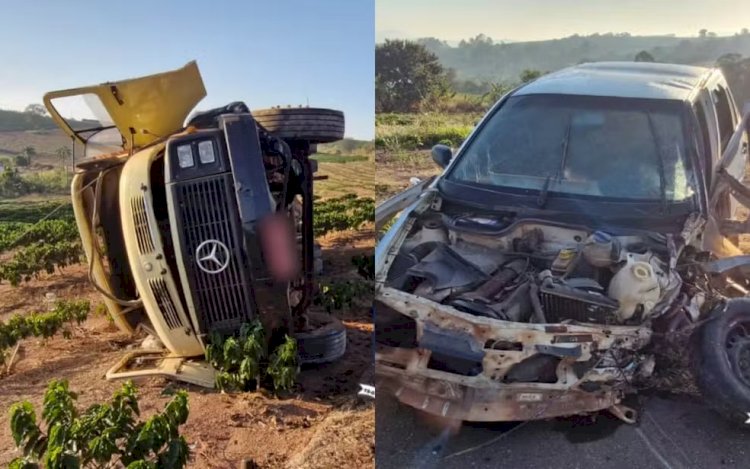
(89, 120)
(583, 145)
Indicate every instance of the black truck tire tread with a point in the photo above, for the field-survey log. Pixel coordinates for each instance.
(324, 344)
(315, 125)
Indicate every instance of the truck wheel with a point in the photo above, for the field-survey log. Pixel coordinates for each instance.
(315, 125)
(323, 342)
(721, 361)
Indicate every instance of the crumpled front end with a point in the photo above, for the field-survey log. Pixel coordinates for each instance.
(492, 317)
(459, 366)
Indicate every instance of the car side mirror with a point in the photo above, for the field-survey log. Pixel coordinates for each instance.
(442, 154)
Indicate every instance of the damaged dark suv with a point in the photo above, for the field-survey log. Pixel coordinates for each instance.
(591, 213)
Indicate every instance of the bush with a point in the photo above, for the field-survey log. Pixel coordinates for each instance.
(48, 182)
(21, 160)
(343, 294)
(347, 212)
(241, 361)
(12, 184)
(103, 435)
(42, 324)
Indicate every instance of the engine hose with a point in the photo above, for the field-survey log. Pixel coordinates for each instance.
(536, 304)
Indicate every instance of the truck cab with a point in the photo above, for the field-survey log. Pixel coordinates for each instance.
(195, 226)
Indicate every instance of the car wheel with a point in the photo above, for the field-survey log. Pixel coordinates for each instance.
(315, 125)
(324, 340)
(721, 361)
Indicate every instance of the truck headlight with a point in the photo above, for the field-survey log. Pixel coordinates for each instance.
(206, 152)
(185, 156)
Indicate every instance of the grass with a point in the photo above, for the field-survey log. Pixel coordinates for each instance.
(325, 158)
(405, 132)
(352, 177)
(30, 210)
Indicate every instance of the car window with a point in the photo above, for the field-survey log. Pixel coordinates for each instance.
(723, 115)
(600, 146)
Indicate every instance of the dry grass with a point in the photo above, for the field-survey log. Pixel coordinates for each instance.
(354, 177)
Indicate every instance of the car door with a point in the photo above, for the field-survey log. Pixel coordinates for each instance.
(729, 175)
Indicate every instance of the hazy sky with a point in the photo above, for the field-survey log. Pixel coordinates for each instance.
(525, 20)
(262, 52)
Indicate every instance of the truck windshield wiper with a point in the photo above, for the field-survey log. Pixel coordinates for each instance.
(660, 163)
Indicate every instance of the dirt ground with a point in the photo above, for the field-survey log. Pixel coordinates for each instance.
(320, 424)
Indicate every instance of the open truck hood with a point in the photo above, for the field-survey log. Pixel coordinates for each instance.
(142, 109)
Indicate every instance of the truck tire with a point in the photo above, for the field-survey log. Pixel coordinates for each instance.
(314, 125)
(720, 357)
(326, 342)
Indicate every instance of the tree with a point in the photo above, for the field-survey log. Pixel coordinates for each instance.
(21, 160)
(36, 109)
(63, 153)
(406, 75)
(702, 32)
(29, 152)
(529, 75)
(644, 56)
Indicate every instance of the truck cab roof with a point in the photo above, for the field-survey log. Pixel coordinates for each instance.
(622, 79)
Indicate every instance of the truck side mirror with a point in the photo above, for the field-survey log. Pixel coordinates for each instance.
(442, 154)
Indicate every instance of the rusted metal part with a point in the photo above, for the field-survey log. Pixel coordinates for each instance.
(486, 396)
(624, 413)
(454, 401)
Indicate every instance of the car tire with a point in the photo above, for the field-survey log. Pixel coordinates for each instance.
(720, 358)
(315, 125)
(325, 343)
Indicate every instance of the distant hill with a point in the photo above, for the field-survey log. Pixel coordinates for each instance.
(14, 120)
(481, 59)
(348, 146)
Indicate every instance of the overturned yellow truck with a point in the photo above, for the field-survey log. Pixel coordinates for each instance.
(195, 226)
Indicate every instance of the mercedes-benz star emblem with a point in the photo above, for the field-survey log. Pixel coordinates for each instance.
(212, 256)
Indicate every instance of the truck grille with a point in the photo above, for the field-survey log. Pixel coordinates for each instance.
(205, 208)
(166, 305)
(142, 230)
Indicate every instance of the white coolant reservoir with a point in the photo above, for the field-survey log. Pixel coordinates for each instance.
(634, 284)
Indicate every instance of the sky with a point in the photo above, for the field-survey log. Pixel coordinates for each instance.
(265, 53)
(529, 20)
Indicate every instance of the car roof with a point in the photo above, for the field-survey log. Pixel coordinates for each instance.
(621, 79)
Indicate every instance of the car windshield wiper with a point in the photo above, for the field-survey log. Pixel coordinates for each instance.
(660, 163)
(565, 144)
(541, 201)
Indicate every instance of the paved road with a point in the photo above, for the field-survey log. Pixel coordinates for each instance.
(674, 432)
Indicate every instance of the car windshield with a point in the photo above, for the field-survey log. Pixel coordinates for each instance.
(584, 145)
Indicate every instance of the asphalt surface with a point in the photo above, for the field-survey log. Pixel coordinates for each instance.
(673, 432)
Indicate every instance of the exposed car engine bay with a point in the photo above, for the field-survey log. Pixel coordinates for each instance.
(536, 271)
